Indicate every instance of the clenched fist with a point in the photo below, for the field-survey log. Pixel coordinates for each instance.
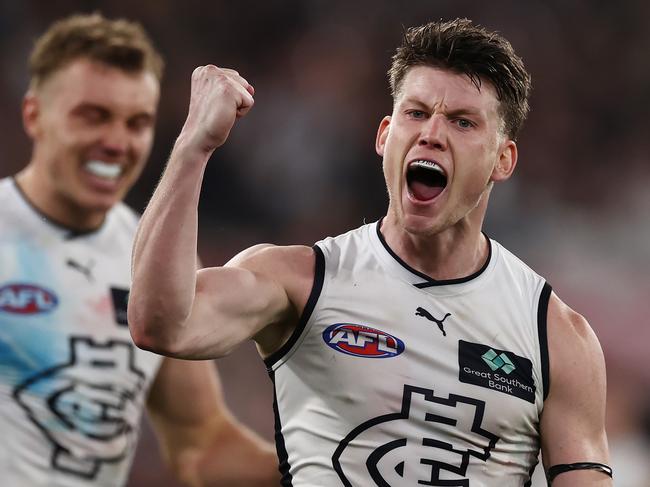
(218, 97)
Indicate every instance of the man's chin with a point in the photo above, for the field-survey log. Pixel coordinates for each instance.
(96, 203)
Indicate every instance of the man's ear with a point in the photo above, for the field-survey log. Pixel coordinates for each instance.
(382, 135)
(30, 113)
(507, 162)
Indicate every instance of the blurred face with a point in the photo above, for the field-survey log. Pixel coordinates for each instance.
(92, 127)
(442, 148)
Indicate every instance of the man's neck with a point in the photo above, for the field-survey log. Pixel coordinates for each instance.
(54, 206)
(453, 253)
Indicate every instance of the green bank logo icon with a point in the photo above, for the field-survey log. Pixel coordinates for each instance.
(496, 362)
(506, 372)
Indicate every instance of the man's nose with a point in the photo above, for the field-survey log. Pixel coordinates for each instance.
(434, 133)
(115, 140)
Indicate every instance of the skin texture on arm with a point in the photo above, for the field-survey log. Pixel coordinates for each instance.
(201, 441)
(174, 310)
(573, 419)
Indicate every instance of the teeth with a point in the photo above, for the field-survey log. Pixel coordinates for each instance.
(103, 169)
(428, 165)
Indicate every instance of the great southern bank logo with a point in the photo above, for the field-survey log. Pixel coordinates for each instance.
(26, 299)
(362, 341)
(499, 370)
(498, 361)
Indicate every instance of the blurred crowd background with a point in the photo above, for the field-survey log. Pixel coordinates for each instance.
(302, 165)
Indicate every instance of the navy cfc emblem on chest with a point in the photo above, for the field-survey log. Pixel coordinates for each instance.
(496, 369)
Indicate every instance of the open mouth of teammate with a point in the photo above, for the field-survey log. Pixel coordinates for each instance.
(425, 179)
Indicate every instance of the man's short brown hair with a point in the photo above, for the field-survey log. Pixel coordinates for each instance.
(118, 43)
(465, 48)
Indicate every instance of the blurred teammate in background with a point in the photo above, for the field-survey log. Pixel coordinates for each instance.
(410, 351)
(73, 385)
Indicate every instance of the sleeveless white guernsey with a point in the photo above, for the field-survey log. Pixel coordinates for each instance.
(72, 384)
(394, 379)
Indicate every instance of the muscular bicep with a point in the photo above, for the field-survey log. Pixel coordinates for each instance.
(573, 419)
(231, 305)
(259, 294)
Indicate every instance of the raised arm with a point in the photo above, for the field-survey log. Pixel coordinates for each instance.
(573, 419)
(173, 310)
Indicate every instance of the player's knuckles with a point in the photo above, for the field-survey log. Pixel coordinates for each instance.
(203, 74)
(230, 71)
(196, 73)
(213, 88)
(247, 100)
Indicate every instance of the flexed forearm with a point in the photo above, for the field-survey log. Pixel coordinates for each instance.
(165, 247)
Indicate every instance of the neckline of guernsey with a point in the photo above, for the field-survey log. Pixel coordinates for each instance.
(71, 233)
(428, 280)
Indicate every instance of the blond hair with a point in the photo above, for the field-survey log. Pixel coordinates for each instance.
(118, 43)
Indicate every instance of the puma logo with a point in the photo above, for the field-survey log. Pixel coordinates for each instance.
(85, 270)
(423, 312)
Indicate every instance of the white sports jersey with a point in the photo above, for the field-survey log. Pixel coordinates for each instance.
(72, 384)
(395, 379)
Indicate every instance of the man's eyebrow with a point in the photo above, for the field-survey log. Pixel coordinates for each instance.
(457, 112)
(414, 101)
(86, 105)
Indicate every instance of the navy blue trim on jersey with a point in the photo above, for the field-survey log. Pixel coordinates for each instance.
(542, 316)
(72, 233)
(280, 447)
(319, 277)
(529, 482)
(430, 281)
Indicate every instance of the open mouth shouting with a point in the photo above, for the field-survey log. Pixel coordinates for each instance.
(425, 180)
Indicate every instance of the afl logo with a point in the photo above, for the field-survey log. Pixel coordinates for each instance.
(362, 341)
(26, 299)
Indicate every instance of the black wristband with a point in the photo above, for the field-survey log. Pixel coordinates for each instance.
(556, 470)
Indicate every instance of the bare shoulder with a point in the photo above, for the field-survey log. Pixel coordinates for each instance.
(270, 259)
(291, 266)
(568, 328)
(572, 426)
(574, 349)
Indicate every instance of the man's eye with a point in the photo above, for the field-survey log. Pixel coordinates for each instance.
(92, 115)
(140, 123)
(464, 123)
(417, 114)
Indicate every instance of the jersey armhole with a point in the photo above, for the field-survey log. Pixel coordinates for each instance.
(542, 316)
(319, 277)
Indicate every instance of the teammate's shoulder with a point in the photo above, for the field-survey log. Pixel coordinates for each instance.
(15, 214)
(7, 190)
(5, 183)
(123, 215)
